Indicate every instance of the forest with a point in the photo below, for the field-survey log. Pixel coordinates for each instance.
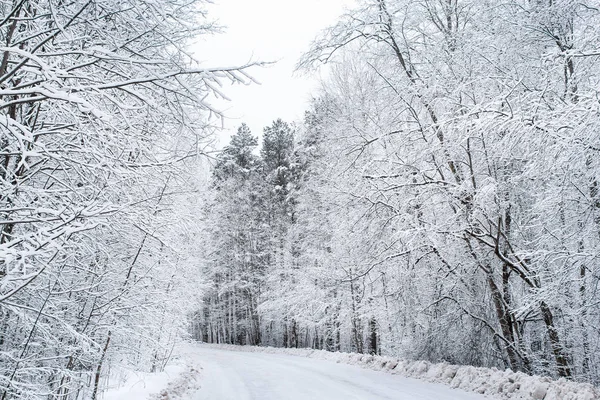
(439, 200)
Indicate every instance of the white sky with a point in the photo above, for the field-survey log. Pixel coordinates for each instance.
(267, 30)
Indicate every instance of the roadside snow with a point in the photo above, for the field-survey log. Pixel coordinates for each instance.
(174, 383)
(489, 381)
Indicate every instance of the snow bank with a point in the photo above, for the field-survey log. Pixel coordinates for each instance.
(174, 383)
(489, 381)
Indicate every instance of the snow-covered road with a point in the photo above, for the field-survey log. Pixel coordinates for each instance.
(231, 375)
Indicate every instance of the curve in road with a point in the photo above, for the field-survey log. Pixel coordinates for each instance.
(232, 375)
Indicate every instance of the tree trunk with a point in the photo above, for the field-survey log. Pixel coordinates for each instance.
(373, 347)
(294, 335)
(559, 354)
(99, 368)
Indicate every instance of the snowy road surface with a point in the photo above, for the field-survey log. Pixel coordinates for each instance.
(231, 375)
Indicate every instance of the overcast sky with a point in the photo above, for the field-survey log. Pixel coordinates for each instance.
(267, 30)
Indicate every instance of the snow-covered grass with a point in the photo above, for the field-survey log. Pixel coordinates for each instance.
(489, 381)
(174, 383)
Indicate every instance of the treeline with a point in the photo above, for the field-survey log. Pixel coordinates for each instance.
(440, 200)
(247, 223)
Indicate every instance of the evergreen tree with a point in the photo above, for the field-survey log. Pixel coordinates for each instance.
(277, 150)
(237, 157)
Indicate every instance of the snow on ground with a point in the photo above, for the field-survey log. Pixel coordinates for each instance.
(489, 381)
(176, 382)
(243, 375)
(225, 372)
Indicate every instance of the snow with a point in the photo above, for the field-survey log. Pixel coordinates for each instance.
(493, 383)
(242, 375)
(225, 372)
(176, 381)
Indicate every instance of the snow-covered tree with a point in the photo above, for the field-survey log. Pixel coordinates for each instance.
(100, 110)
(440, 200)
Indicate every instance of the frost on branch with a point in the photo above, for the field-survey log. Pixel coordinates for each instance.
(100, 106)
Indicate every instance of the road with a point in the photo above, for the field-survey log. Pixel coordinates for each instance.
(231, 375)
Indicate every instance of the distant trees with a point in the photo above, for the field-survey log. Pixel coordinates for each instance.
(236, 256)
(247, 219)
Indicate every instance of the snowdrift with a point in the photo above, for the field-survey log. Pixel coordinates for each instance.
(489, 381)
(177, 381)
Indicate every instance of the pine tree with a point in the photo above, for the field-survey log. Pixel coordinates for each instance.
(236, 244)
(277, 150)
(237, 157)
